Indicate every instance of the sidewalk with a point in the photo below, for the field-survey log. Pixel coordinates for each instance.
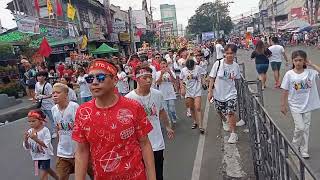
(15, 112)
(272, 103)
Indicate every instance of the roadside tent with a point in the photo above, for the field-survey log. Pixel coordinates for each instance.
(105, 49)
(295, 24)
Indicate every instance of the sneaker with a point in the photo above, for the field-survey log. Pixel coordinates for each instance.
(54, 135)
(225, 125)
(305, 155)
(240, 123)
(188, 113)
(233, 138)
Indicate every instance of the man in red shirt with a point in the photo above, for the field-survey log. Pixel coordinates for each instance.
(112, 130)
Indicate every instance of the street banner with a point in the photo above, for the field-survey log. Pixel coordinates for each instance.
(28, 25)
(119, 26)
(207, 36)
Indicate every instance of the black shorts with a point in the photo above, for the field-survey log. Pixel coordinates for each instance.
(44, 164)
(228, 107)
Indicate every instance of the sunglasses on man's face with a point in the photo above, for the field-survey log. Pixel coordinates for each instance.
(100, 77)
(157, 57)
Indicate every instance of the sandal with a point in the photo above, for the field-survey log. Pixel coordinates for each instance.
(194, 126)
(202, 130)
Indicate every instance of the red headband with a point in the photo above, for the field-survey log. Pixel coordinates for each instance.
(104, 66)
(33, 114)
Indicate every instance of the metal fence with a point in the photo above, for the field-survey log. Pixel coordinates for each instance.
(274, 157)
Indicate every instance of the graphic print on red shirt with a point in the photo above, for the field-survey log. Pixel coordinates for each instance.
(113, 135)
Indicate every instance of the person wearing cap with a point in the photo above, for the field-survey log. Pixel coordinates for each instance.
(38, 141)
(153, 103)
(112, 130)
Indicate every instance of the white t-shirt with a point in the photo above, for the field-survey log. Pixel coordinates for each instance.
(219, 51)
(48, 102)
(38, 152)
(303, 93)
(192, 80)
(166, 86)
(224, 87)
(154, 72)
(277, 53)
(182, 63)
(64, 121)
(72, 95)
(122, 84)
(153, 104)
(84, 87)
(204, 65)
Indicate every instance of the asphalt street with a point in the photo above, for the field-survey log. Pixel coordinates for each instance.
(272, 101)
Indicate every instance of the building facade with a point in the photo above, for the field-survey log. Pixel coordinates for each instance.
(276, 13)
(169, 15)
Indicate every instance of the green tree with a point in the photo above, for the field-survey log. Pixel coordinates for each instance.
(211, 17)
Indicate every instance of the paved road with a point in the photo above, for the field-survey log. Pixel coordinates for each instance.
(272, 102)
(187, 157)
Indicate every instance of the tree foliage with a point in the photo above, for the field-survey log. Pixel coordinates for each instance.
(211, 17)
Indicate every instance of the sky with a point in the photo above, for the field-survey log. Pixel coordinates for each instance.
(185, 8)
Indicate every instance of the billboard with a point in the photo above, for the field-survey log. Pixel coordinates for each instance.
(207, 36)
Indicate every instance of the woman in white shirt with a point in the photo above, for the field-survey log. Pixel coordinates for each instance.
(192, 80)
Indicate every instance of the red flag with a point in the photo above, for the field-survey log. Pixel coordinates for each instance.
(36, 6)
(139, 33)
(59, 8)
(45, 49)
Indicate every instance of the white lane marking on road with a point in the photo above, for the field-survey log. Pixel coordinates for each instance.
(198, 160)
(232, 159)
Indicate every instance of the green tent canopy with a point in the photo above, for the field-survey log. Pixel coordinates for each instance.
(105, 49)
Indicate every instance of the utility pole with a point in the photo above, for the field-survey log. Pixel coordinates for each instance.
(131, 32)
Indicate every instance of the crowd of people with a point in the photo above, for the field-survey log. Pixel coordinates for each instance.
(109, 115)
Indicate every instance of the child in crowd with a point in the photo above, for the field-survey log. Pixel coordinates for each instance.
(122, 84)
(223, 89)
(301, 94)
(38, 141)
(165, 79)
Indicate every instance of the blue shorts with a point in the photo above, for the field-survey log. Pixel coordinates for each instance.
(44, 164)
(262, 68)
(275, 66)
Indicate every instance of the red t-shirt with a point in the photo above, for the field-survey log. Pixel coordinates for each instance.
(113, 135)
(60, 69)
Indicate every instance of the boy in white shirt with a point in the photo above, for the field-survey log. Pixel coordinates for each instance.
(223, 90)
(153, 103)
(64, 115)
(165, 79)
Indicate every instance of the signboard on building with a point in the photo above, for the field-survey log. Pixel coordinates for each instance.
(57, 32)
(299, 13)
(119, 26)
(28, 25)
(95, 33)
(250, 29)
(124, 37)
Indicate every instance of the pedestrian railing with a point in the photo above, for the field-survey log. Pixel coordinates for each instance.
(274, 157)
